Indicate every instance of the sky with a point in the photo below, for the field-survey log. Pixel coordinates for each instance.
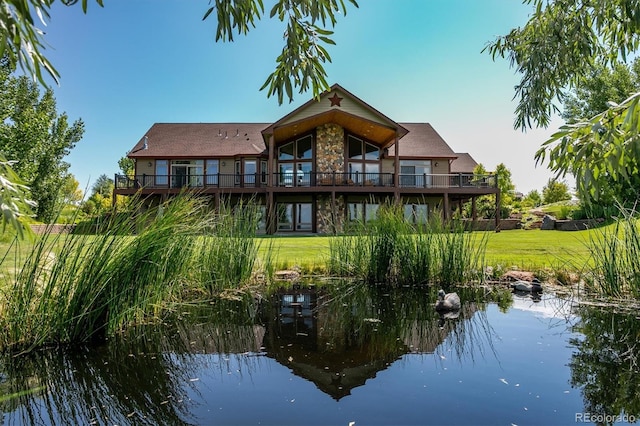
(133, 63)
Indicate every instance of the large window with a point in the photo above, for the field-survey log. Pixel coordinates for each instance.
(250, 170)
(212, 169)
(186, 173)
(246, 172)
(416, 213)
(162, 172)
(295, 162)
(362, 211)
(295, 216)
(415, 173)
(364, 161)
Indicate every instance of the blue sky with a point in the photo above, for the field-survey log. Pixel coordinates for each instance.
(136, 62)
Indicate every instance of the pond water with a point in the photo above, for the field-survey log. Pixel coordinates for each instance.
(349, 355)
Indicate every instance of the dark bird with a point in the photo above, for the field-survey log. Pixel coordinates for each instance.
(529, 286)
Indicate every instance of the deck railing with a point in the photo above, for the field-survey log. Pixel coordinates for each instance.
(306, 179)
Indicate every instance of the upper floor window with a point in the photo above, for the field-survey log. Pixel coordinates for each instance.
(295, 162)
(364, 161)
(186, 173)
(162, 172)
(361, 150)
(213, 169)
(300, 149)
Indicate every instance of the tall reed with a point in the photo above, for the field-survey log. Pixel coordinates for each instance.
(75, 288)
(229, 252)
(616, 255)
(460, 253)
(391, 250)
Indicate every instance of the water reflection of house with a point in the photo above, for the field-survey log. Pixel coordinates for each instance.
(322, 341)
(294, 339)
(307, 334)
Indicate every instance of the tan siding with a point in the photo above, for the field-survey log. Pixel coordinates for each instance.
(145, 167)
(387, 166)
(228, 167)
(347, 105)
(441, 168)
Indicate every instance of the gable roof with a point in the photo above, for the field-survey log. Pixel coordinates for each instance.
(197, 140)
(337, 105)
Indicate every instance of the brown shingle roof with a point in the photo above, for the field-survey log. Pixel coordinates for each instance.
(422, 141)
(205, 140)
(193, 140)
(463, 164)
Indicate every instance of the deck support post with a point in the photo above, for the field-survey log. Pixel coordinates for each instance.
(498, 211)
(271, 214)
(446, 214)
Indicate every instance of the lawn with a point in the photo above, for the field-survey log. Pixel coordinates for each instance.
(524, 249)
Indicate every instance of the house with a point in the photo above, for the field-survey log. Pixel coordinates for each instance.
(332, 160)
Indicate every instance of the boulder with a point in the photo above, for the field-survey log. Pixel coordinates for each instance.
(548, 223)
(517, 276)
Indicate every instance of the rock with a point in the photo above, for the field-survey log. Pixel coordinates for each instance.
(517, 276)
(548, 223)
(288, 275)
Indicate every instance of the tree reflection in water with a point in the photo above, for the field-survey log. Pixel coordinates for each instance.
(606, 362)
(141, 377)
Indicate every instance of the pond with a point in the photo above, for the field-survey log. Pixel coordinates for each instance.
(344, 355)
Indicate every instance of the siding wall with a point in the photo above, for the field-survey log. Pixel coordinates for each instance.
(347, 105)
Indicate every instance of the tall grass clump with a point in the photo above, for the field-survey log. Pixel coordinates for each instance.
(229, 253)
(460, 254)
(616, 255)
(393, 251)
(77, 288)
(348, 253)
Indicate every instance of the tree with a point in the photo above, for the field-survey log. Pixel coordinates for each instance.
(299, 65)
(127, 166)
(101, 196)
(555, 191)
(70, 190)
(34, 135)
(485, 205)
(532, 198)
(561, 44)
(13, 201)
(505, 184)
(103, 186)
(590, 97)
(602, 85)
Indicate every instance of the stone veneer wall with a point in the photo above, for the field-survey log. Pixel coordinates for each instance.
(329, 158)
(329, 221)
(329, 148)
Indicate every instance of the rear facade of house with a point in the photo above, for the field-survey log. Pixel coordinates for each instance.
(331, 161)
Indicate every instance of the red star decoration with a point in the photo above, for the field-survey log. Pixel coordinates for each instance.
(335, 100)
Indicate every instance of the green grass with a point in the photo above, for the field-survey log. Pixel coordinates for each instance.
(524, 249)
(536, 249)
